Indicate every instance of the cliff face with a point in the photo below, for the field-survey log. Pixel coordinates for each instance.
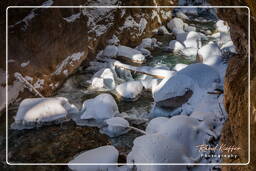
(235, 131)
(43, 42)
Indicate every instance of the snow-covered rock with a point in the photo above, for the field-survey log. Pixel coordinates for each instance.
(129, 90)
(148, 84)
(154, 125)
(179, 67)
(175, 45)
(190, 52)
(190, 39)
(205, 76)
(113, 41)
(144, 51)
(148, 43)
(115, 126)
(103, 79)
(104, 154)
(124, 74)
(228, 47)
(163, 31)
(176, 25)
(181, 15)
(156, 148)
(110, 51)
(221, 26)
(210, 54)
(130, 54)
(101, 107)
(189, 28)
(34, 111)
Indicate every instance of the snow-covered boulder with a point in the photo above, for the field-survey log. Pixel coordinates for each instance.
(163, 31)
(203, 75)
(228, 47)
(148, 43)
(101, 107)
(129, 90)
(221, 26)
(110, 51)
(181, 15)
(34, 111)
(188, 132)
(210, 54)
(176, 25)
(179, 67)
(130, 54)
(175, 45)
(189, 52)
(148, 84)
(155, 124)
(190, 39)
(104, 154)
(156, 148)
(115, 126)
(103, 79)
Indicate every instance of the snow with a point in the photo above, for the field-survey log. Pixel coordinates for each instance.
(131, 23)
(72, 18)
(205, 76)
(175, 45)
(124, 74)
(175, 25)
(115, 126)
(70, 60)
(131, 54)
(39, 84)
(191, 39)
(110, 51)
(179, 67)
(156, 15)
(101, 107)
(129, 90)
(181, 15)
(24, 64)
(156, 148)
(148, 84)
(47, 3)
(190, 52)
(210, 54)
(154, 125)
(221, 26)
(104, 154)
(189, 28)
(163, 30)
(103, 79)
(38, 110)
(148, 43)
(113, 41)
(228, 47)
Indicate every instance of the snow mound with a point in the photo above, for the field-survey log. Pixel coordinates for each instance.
(154, 124)
(205, 76)
(156, 148)
(130, 54)
(179, 67)
(130, 90)
(101, 107)
(175, 45)
(175, 25)
(110, 51)
(34, 111)
(103, 79)
(210, 54)
(115, 126)
(104, 154)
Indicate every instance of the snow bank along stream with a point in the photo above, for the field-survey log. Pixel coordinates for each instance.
(156, 102)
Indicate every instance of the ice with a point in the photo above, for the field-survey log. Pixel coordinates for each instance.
(110, 51)
(104, 79)
(179, 67)
(131, 54)
(157, 148)
(175, 25)
(175, 45)
(34, 111)
(104, 154)
(129, 90)
(115, 126)
(210, 54)
(101, 107)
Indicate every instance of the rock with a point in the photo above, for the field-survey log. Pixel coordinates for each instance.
(129, 90)
(34, 111)
(104, 154)
(130, 54)
(108, 108)
(156, 148)
(175, 45)
(103, 79)
(208, 32)
(176, 25)
(179, 67)
(210, 54)
(115, 126)
(124, 74)
(110, 51)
